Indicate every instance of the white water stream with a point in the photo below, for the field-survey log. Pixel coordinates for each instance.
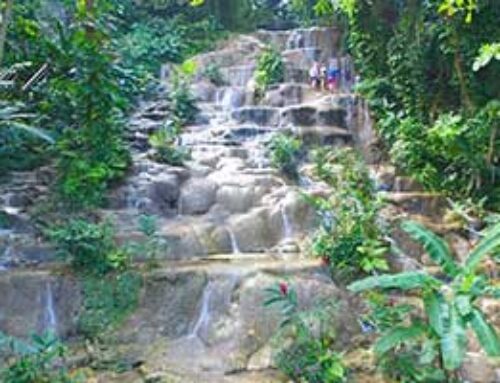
(204, 317)
(49, 315)
(234, 243)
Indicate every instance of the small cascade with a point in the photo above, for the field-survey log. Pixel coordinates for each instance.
(234, 243)
(287, 225)
(49, 314)
(204, 317)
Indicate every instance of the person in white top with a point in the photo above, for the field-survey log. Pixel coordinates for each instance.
(315, 75)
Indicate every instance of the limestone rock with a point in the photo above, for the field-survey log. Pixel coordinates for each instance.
(197, 196)
(168, 307)
(235, 199)
(477, 368)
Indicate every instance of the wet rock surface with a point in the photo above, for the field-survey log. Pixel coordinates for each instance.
(234, 225)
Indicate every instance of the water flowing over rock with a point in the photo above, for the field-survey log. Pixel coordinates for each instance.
(234, 225)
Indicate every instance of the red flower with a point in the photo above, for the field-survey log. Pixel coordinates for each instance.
(283, 288)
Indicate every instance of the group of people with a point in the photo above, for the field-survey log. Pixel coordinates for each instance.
(323, 77)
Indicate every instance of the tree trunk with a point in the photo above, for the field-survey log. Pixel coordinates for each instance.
(6, 15)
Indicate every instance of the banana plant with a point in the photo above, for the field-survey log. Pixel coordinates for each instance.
(450, 302)
(12, 116)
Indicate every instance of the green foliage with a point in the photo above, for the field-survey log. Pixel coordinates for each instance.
(487, 53)
(153, 41)
(309, 357)
(92, 153)
(270, 68)
(165, 149)
(38, 361)
(311, 360)
(285, 152)
(153, 246)
(213, 74)
(182, 102)
(89, 247)
(449, 306)
(453, 155)
(349, 239)
(430, 107)
(107, 301)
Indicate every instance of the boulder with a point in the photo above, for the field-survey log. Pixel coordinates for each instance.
(477, 368)
(257, 230)
(301, 115)
(260, 115)
(235, 199)
(197, 196)
(34, 302)
(164, 191)
(168, 307)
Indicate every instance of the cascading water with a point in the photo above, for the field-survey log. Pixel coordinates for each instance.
(49, 314)
(287, 226)
(204, 317)
(234, 243)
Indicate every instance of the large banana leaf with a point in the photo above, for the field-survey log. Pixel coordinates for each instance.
(489, 243)
(437, 310)
(436, 247)
(398, 335)
(403, 281)
(485, 333)
(453, 340)
(36, 132)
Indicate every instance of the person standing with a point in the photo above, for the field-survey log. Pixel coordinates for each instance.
(333, 76)
(315, 75)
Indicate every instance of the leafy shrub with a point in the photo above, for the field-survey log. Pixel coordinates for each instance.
(36, 362)
(182, 102)
(107, 301)
(285, 153)
(89, 247)
(436, 340)
(165, 149)
(309, 357)
(270, 68)
(453, 155)
(153, 246)
(213, 74)
(86, 104)
(349, 238)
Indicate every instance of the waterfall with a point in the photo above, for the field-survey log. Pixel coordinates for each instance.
(204, 317)
(49, 314)
(234, 243)
(287, 226)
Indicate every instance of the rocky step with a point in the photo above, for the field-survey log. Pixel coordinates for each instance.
(422, 203)
(296, 115)
(217, 307)
(324, 135)
(325, 37)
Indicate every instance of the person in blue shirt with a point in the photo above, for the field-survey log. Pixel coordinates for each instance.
(333, 76)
